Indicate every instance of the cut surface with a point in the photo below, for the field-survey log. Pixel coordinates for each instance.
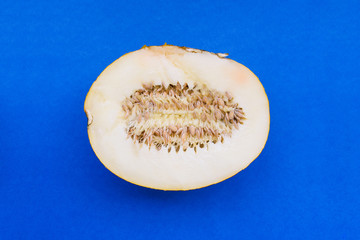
(176, 118)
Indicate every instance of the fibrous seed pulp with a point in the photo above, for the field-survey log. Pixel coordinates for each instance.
(179, 116)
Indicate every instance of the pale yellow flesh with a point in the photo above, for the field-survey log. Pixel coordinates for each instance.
(182, 170)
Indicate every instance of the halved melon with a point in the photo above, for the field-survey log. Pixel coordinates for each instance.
(176, 118)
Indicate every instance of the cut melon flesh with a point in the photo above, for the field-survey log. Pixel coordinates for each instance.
(182, 170)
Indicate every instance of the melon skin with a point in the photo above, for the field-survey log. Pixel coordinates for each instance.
(182, 170)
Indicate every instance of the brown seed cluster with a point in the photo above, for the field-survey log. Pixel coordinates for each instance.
(179, 116)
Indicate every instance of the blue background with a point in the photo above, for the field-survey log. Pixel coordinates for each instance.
(304, 185)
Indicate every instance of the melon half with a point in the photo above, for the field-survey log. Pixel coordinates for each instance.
(176, 118)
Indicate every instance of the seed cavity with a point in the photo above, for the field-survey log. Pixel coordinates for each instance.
(180, 117)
